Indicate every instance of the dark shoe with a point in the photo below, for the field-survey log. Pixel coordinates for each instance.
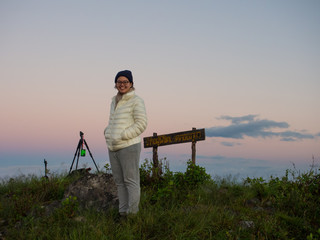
(120, 218)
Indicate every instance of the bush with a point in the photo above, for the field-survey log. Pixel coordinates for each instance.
(168, 185)
(296, 196)
(195, 175)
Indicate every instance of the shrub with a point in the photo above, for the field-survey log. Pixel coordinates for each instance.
(168, 185)
(195, 175)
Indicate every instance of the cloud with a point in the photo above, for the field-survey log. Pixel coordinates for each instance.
(250, 126)
(230, 144)
(236, 120)
(294, 135)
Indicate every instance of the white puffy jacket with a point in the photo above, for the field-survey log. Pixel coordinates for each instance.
(127, 120)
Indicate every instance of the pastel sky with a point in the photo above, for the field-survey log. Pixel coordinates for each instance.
(246, 71)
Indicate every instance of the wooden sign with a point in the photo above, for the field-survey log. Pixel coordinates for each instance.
(175, 138)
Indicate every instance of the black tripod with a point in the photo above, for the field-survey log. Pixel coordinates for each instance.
(82, 151)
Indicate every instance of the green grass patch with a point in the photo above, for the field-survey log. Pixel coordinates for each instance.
(189, 205)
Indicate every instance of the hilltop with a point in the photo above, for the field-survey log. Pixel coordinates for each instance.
(189, 205)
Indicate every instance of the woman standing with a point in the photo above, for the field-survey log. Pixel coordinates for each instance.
(127, 121)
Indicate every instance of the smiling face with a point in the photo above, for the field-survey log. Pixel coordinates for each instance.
(123, 85)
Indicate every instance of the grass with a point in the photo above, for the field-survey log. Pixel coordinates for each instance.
(188, 205)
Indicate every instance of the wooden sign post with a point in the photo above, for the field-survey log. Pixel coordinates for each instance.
(174, 138)
(155, 154)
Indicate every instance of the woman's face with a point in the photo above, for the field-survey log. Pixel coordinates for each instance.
(123, 85)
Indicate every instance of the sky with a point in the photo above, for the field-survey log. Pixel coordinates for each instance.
(246, 71)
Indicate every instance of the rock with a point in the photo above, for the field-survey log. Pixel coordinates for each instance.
(96, 191)
(246, 224)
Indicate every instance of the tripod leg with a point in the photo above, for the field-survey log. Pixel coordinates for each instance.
(90, 154)
(77, 151)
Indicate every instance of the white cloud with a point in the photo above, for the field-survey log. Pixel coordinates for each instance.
(250, 126)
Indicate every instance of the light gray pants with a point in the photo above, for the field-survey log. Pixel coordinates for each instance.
(125, 170)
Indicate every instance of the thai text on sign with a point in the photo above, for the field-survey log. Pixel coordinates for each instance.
(175, 138)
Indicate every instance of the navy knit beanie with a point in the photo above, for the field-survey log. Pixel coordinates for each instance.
(124, 73)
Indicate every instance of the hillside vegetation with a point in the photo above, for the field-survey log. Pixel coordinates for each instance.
(189, 205)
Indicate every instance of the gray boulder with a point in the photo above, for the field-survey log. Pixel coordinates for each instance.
(95, 191)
